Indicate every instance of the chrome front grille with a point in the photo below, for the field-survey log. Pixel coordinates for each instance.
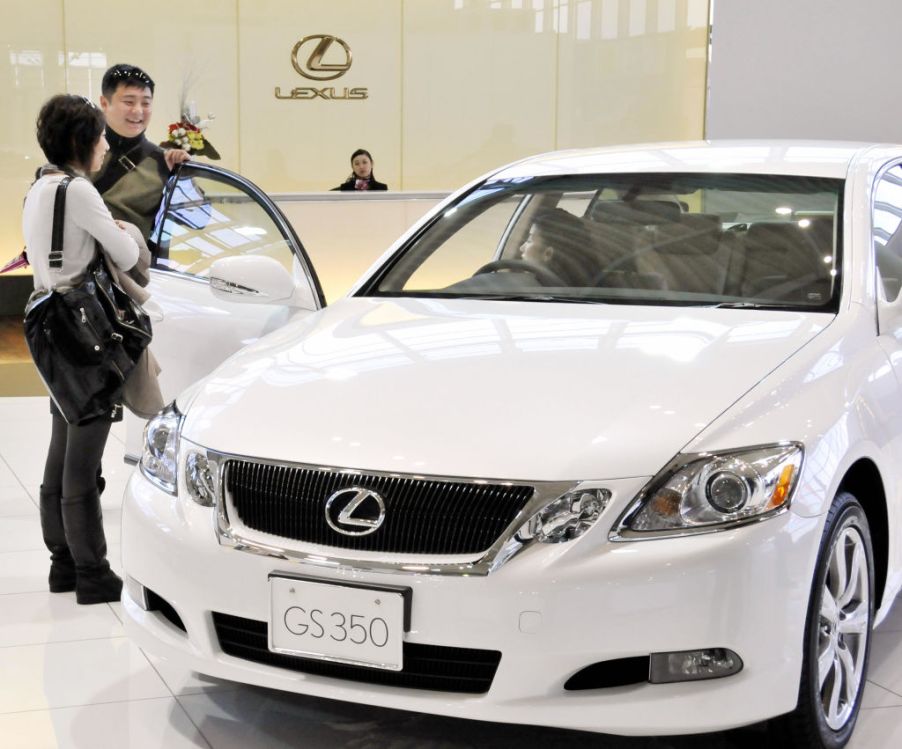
(422, 515)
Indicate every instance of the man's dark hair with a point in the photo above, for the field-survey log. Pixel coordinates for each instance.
(68, 128)
(124, 75)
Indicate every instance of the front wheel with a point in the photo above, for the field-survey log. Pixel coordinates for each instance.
(837, 633)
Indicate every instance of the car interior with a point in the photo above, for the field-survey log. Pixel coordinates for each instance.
(652, 243)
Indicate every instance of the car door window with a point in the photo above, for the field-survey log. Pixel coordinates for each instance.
(209, 217)
(886, 226)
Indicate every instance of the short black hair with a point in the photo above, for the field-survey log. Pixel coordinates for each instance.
(68, 128)
(124, 75)
(573, 259)
(563, 226)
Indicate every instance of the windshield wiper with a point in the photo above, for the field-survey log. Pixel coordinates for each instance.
(532, 298)
(754, 305)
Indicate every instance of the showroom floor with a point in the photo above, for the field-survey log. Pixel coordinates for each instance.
(70, 678)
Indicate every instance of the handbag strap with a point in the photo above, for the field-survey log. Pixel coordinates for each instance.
(59, 213)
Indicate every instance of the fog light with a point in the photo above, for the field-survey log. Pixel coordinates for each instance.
(567, 517)
(693, 665)
(200, 479)
(136, 592)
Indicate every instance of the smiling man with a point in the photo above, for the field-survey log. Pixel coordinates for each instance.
(134, 170)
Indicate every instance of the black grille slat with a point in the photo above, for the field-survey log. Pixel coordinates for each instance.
(280, 481)
(434, 667)
(423, 516)
(316, 484)
(293, 489)
(418, 518)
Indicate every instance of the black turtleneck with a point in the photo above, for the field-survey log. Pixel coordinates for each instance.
(119, 144)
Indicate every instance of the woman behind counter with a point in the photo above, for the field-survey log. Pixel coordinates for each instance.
(362, 177)
(70, 132)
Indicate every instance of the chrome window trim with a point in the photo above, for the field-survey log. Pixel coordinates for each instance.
(505, 547)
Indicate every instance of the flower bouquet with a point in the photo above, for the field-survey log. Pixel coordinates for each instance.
(188, 135)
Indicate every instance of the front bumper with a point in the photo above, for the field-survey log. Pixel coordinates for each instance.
(551, 611)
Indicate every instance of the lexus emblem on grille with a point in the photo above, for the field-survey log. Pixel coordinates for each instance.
(355, 511)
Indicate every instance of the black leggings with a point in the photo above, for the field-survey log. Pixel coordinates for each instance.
(73, 459)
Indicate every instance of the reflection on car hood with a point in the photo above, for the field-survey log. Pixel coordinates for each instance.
(491, 389)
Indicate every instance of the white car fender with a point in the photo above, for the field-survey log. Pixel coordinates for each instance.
(835, 432)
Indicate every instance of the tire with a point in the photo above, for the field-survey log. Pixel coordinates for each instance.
(838, 633)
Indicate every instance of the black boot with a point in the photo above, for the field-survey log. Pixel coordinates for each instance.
(62, 567)
(95, 581)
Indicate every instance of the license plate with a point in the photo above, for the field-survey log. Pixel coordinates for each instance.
(361, 626)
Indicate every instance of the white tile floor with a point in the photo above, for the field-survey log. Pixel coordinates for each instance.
(70, 678)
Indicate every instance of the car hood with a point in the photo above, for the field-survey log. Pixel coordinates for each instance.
(490, 389)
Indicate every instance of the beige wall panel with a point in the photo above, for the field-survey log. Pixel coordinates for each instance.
(293, 145)
(346, 236)
(631, 71)
(183, 46)
(479, 87)
(31, 70)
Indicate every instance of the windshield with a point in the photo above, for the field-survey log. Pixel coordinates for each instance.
(658, 239)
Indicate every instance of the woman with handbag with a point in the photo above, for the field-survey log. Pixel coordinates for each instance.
(70, 131)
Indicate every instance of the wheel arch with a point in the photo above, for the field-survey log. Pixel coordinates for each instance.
(863, 480)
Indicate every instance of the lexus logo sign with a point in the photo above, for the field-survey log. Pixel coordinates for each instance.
(307, 57)
(322, 57)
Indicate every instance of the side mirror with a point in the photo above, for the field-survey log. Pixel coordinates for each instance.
(252, 280)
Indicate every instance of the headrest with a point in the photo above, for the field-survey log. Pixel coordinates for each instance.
(787, 245)
(692, 234)
(820, 233)
(775, 236)
(636, 212)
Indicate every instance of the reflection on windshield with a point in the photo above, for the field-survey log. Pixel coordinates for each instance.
(656, 239)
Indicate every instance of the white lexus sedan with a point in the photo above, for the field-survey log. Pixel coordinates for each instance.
(610, 440)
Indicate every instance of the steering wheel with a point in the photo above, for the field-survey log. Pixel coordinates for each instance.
(543, 275)
(625, 262)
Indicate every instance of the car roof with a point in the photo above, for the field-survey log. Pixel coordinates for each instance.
(792, 157)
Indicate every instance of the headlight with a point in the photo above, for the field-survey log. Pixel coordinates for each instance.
(712, 491)
(159, 460)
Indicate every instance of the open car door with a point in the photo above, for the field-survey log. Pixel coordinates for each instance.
(262, 277)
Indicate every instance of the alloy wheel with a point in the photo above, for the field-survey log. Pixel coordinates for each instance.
(843, 627)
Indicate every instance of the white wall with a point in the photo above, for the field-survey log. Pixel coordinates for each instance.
(805, 69)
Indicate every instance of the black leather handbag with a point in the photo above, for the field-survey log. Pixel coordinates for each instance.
(84, 339)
